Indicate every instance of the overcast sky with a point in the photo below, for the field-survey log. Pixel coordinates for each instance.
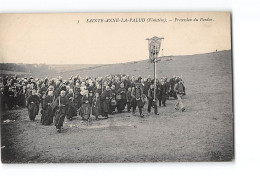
(58, 39)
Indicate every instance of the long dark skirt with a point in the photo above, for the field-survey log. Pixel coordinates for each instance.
(33, 109)
(72, 111)
(121, 105)
(85, 109)
(47, 116)
(105, 105)
(96, 109)
(173, 94)
(21, 101)
(78, 102)
(133, 102)
(140, 103)
(59, 119)
(10, 102)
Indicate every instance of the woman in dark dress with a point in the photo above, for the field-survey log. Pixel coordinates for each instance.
(72, 110)
(137, 99)
(33, 105)
(47, 115)
(86, 105)
(96, 107)
(113, 102)
(105, 102)
(121, 98)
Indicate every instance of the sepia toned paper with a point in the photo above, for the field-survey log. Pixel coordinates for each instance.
(109, 37)
(194, 47)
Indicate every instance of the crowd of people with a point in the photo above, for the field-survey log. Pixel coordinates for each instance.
(57, 99)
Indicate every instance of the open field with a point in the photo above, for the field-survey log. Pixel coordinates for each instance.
(41, 71)
(204, 132)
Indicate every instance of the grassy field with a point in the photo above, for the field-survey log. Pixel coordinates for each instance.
(204, 132)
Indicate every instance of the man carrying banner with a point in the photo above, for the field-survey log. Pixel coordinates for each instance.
(154, 45)
(151, 100)
(137, 99)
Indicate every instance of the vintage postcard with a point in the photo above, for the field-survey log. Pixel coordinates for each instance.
(116, 87)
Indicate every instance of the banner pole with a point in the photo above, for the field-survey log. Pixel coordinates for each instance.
(155, 79)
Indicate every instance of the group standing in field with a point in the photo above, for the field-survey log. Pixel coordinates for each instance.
(100, 97)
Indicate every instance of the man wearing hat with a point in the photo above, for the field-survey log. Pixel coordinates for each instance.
(162, 92)
(137, 99)
(179, 89)
(172, 83)
(151, 100)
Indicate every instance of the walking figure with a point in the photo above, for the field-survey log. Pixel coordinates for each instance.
(33, 105)
(62, 103)
(179, 89)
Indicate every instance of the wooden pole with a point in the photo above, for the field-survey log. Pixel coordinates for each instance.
(155, 60)
(102, 85)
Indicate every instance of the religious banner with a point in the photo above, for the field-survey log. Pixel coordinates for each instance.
(154, 45)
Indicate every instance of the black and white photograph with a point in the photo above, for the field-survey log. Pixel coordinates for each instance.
(116, 87)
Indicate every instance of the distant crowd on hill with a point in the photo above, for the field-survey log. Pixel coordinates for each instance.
(85, 96)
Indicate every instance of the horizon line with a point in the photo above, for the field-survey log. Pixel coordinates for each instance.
(113, 63)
